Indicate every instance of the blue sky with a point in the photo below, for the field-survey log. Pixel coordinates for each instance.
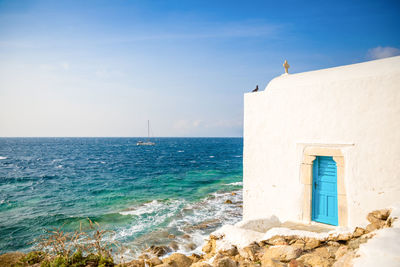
(102, 68)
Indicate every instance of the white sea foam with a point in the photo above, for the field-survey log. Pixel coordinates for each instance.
(3, 157)
(211, 157)
(236, 183)
(180, 151)
(154, 220)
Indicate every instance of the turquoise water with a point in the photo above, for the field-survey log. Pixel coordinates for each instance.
(143, 193)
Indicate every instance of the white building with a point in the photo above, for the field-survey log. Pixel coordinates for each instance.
(324, 145)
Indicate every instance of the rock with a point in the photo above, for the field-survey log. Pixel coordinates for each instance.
(282, 253)
(248, 264)
(186, 236)
(311, 243)
(378, 215)
(171, 236)
(10, 259)
(174, 245)
(158, 250)
(154, 261)
(190, 246)
(345, 260)
(200, 264)
(295, 263)
(233, 194)
(195, 257)
(322, 252)
(340, 252)
(358, 232)
(229, 252)
(355, 243)
(311, 259)
(225, 262)
(144, 257)
(375, 226)
(344, 237)
(210, 246)
(178, 260)
(333, 244)
(268, 262)
(297, 243)
(250, 252)
(228, 201)
(135, 263)
(276, 241)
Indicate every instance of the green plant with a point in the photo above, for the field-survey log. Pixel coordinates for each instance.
(74, 249)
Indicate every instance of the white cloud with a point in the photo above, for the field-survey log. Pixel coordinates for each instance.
(382, 52)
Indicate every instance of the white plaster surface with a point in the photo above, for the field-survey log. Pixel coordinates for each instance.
(355, 108)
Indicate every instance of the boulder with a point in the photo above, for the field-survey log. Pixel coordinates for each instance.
(341, 251)
(268, 262)
(154, 261)
(135, 263)
(298, 243)
(228, 201)
(173, 245)
(333, 244)
(246, 263)
(200, 264)
(225, 262)
(346, 260)
(378, 215)
(158, 250)
(276, 241)
(344, 237)
(323, 252)
(282, 253)
(295, 263)
(210, 246)
(375, 226)
(178, 260)
(229, 252)
(311, 243)
(250, 252)
(195, 257)
(312, 259)
(358, 232)
(190, 246)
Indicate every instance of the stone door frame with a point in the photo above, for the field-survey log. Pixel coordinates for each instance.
(309, 155)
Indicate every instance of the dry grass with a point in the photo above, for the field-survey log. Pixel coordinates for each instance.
(93, 245)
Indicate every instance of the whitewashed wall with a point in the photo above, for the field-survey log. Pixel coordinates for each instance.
(356, 107)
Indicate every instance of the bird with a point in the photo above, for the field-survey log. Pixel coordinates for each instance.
(255, 90)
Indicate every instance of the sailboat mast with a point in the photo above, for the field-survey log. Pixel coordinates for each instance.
(148, 129)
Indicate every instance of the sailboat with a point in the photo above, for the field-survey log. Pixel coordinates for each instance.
(146, 143)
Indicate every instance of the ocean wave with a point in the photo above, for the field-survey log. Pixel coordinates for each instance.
(3, 157)
(189, 222)
(236, 183)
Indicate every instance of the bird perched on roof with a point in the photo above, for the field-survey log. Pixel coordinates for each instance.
(255, 90)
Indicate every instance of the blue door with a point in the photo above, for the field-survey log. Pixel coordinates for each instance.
(324, 192)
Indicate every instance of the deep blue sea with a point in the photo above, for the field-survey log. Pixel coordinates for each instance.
(173, 191)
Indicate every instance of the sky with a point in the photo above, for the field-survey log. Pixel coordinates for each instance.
(103, 68)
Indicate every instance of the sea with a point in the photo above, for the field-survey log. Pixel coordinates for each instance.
(173, 192)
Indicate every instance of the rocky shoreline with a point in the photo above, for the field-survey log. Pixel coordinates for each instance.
(293, 249)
